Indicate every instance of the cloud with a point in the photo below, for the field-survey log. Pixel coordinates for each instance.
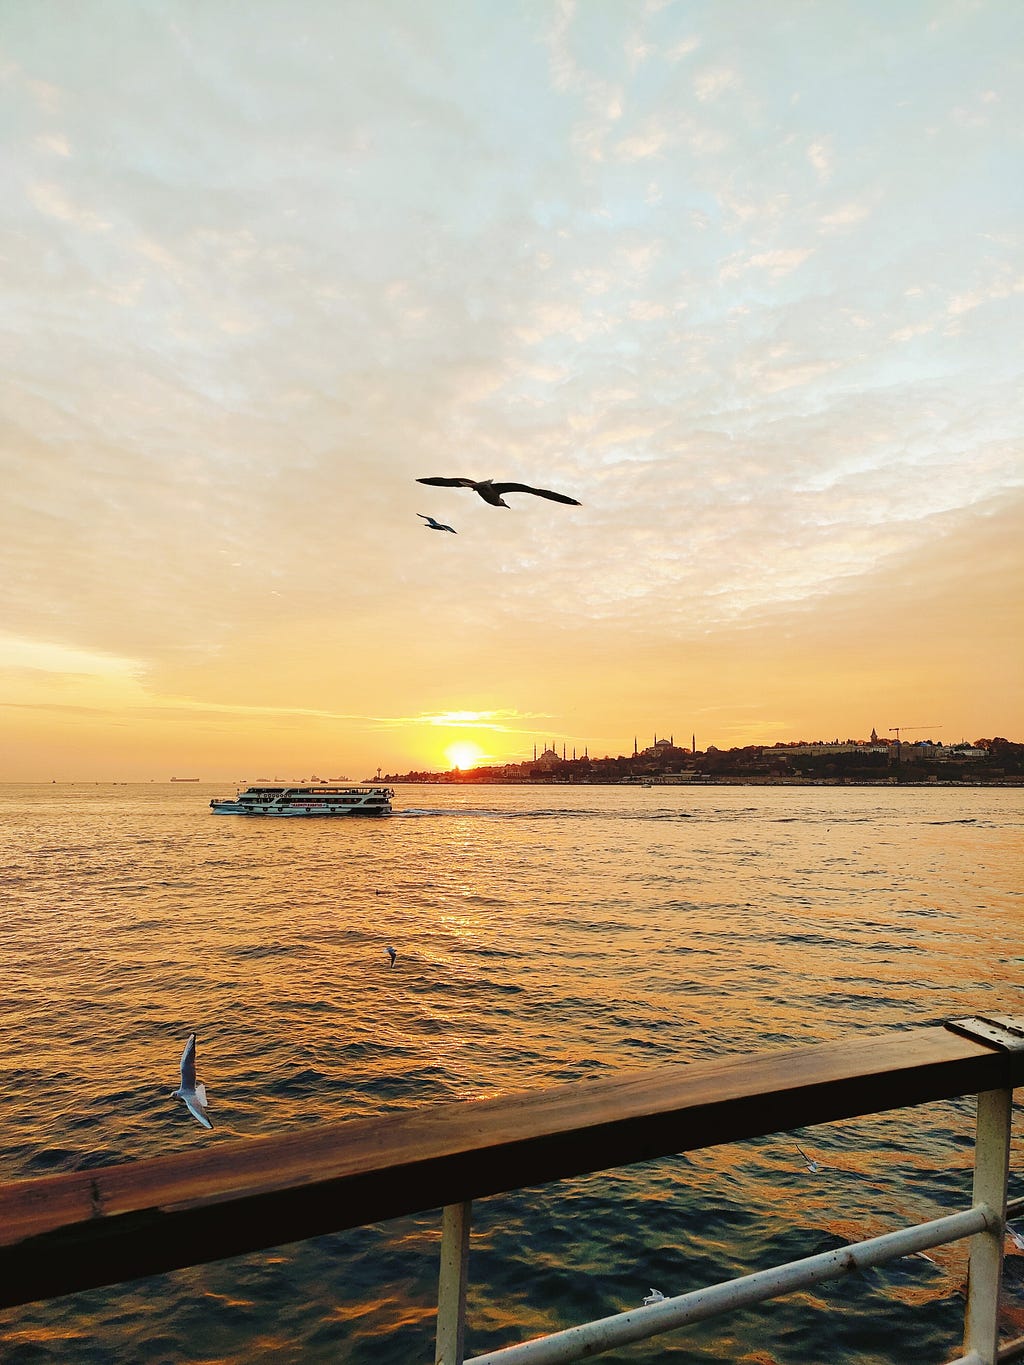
(911, 330)
(682, 49)
(774, 380)
(497, 721)
(43, 656)
(648, 310)
(819, 154)
(51, 200)
(644, 144)
(847, 215)
(775, 263)
(714, 81)
(975, 298)
(55, 143)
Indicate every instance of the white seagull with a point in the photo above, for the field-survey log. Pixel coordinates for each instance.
(193, 1092)
(812, 1166)
(392, 954)
(491, 492)
(433, 525)
(655, 1296)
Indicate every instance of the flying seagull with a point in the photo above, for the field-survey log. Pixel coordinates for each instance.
(193, 1092)
(433, 525)
(392, 954)
(491, 492)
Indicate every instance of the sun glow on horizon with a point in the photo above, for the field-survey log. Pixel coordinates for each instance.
(464, 754)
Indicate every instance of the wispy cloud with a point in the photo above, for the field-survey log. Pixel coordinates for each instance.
(715, 81)
(54, 202)
(55, 143)
(847, 215)
(775, 263)
(501, 722)
(819, 154)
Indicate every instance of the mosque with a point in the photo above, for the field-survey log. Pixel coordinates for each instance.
(549, 757)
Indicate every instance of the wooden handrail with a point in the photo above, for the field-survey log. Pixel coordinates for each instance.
(64, 1233)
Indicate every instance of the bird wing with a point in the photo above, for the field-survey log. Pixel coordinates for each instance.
(540, 492)
(188, 1064)
(424, 516)
(438, 482)
(196, 1109)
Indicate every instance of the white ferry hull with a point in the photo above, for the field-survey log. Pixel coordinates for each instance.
(323, 801)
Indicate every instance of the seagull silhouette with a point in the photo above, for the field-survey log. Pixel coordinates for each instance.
(491, 492)
(392, 954)
(433, 525)
(193, 1092)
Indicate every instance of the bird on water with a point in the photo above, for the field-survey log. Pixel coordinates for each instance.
(433, 525)
(491, 492)
(193, 1092)
(809, 1162)
(392, 954)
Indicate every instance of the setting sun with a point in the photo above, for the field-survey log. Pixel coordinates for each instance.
(464, 754)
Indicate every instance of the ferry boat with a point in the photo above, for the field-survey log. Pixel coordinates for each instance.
(322, 799)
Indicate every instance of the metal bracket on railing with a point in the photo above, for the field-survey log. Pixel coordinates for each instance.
(1003, 1031)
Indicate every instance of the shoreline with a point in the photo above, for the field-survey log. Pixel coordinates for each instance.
(445, 781)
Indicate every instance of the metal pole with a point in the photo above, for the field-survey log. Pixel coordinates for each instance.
(591, 1338)
(985, 1268)
(451, 1287)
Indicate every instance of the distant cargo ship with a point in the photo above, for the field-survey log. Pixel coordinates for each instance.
(184, 779)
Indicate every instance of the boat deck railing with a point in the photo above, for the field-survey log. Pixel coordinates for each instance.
(64, 1233)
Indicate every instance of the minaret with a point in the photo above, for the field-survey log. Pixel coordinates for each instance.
(535, 751)
(634, 747)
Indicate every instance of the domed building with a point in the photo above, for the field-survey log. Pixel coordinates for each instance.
(548, 760)
(661, 748)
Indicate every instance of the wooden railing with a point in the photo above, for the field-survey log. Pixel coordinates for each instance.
(60, 1234)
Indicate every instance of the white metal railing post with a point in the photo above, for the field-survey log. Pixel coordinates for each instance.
(991, 1169)
(593, 1338)
(451, 1285)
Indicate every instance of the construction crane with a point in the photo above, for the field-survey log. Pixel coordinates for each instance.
(897, 728)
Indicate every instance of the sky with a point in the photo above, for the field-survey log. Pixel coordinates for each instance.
(745, 280)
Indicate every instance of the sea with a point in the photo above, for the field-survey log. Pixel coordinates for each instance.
(545, 934)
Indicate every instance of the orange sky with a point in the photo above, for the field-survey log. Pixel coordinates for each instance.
(751, 292)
